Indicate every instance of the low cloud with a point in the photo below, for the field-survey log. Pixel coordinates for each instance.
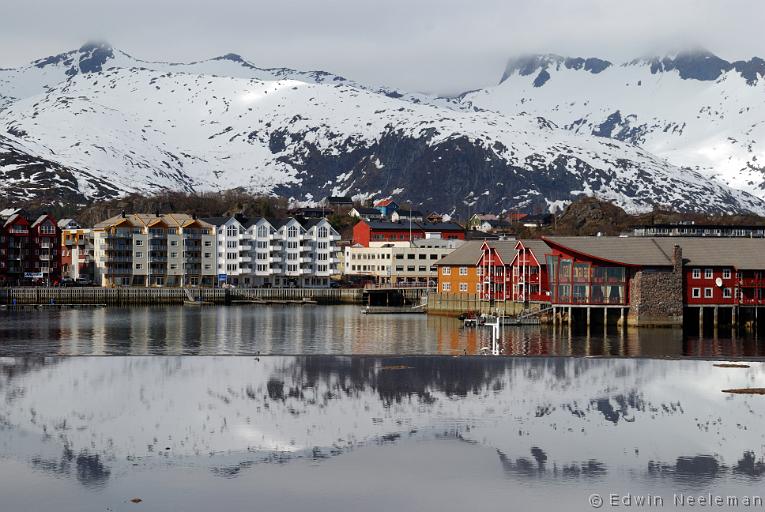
(443, 46)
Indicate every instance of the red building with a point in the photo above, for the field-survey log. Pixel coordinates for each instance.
(529, 272)
(366, 231)
(29, 250)
(514, 270)
(657, 280)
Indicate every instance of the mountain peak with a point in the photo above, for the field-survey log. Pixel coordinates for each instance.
(693, 63)
(529, 64)
(89, 58)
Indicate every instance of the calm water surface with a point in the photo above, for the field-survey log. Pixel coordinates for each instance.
(324, 330)
(322, 433)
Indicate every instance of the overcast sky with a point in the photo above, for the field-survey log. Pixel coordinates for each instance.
(426, 45)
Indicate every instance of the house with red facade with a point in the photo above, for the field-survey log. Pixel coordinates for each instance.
(29, 248)
(366, 231)
(656, 281)
(513, 270)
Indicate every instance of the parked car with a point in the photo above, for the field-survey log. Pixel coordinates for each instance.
(84, 281)
(335, 284)
(67, 282)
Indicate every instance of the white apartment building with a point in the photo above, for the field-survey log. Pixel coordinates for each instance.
(397, 262)
(284, 253)
(139, 249)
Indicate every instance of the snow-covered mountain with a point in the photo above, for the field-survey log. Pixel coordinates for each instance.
(692, 108)
(110, 123)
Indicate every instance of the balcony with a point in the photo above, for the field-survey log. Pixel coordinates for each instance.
(118, 236)
(245, 258)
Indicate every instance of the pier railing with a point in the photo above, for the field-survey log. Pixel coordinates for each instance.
(156, 296)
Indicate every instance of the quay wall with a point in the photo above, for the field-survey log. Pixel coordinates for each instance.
(453, 304)
(156, 296)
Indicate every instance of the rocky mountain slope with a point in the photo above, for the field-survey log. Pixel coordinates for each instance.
(106, 123)
(693, 108)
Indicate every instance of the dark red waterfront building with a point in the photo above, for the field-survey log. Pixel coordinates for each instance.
(29, 248)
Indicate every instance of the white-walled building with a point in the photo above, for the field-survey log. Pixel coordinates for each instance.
(283, 253)
(397, 262)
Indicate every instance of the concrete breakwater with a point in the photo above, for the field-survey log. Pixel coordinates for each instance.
(154, 296)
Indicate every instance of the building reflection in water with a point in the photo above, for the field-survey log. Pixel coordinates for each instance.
(329, 330)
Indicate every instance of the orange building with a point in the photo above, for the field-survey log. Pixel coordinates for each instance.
(458, 272)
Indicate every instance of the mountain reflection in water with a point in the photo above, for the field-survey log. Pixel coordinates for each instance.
(250, 330)
(99, 422)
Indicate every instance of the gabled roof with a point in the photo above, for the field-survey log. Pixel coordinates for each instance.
(384, 202)
(43, 218)
(484, 216)
(467, 254)
(144, 219)
(505, 249)
(217, 221)
(13, 218)
(640, 251)
(537, 247)
(65, 223)
(741, 253)
(440, 226)
(367, 211)
(409, 213)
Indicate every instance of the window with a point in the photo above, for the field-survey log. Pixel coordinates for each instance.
(139, 242)
(697, 273)
(138, 266)
(446, 287)
(463, 287)
(696, 293)
(707, 274)
(262, 231)
(173, 243)
(323, 232)
(727, 293)
(478, 287)
(463, 271)
(139, 254)
(292, 232)
(446, 271)
(708, 293)
(175, 254)
(208, 243)
(231, 231)
(726, 273)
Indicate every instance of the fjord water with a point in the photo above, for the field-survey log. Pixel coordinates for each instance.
(440, 433)
(248, 330)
